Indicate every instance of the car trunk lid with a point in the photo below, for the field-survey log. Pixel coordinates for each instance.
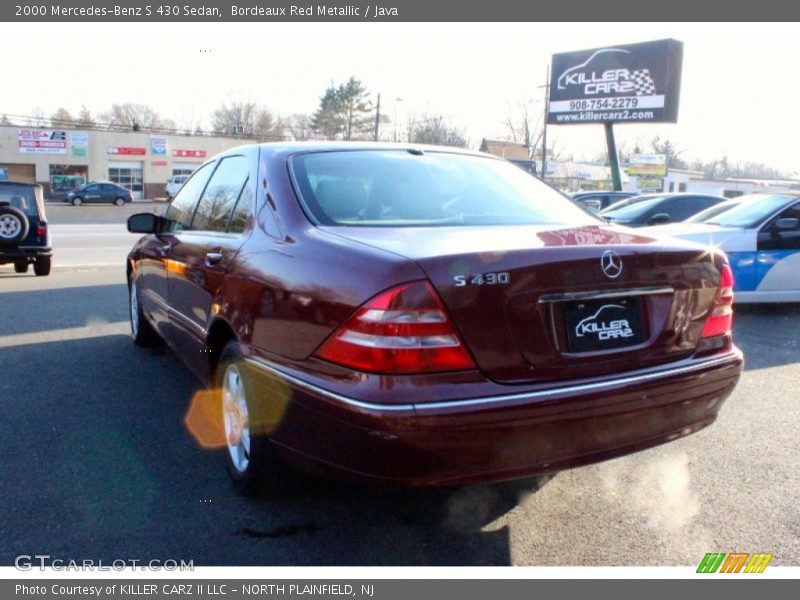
(540, 304)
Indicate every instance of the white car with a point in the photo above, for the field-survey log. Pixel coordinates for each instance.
(761, 236)
(174, 183)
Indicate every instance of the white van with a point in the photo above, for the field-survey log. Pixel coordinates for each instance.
(174, 183)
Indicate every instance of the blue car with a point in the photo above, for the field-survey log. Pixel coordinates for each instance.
(761, 236)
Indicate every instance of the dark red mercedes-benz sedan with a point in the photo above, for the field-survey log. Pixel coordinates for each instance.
(426, 316)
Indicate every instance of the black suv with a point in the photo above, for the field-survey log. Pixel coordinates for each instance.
(24, 236)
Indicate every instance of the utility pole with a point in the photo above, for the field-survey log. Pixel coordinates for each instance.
(546, 87)
(613, 156)
(377, 117)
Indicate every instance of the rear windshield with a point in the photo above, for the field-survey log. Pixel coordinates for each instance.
(754, 209)
(19, 196)
(633, 210)
(398, 188)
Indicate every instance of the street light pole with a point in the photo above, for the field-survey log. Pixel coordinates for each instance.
(377, 117)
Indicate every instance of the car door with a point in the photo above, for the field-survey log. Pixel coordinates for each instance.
(680, 208)
(109, 193)
(154, 261)
(201, 254)
(778, 252)
(93, 193)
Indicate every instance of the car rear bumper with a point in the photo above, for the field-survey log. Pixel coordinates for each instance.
(497, 437)
(19, 253)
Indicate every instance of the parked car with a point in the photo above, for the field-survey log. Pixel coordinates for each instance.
(717, 209)
(102, 192)
(174, 183)
(761, 236)
(425, 316)
(659, 209)
(24, 235)
(599, 200)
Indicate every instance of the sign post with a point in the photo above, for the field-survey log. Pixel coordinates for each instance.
(631, 83)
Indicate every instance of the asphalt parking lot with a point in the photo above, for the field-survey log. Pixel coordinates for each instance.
(97, 462)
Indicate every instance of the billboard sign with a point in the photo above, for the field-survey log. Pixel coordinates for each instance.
(647, 165)
(632, 83)
(126, 151)
(78, 144)
(158, 144)
(42, 141)
(189, 153)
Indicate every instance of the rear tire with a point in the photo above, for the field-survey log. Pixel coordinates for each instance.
(142, 332)
(250, 456)
(77, 201)
(42, 266)
(21, 267)
(119, 202)
(14, 225)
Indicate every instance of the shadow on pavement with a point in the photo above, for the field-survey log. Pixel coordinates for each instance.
(97, 464)
(34, 311)
(769, 334)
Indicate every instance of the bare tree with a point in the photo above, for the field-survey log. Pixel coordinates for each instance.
(245, 118)
(36, 118)
(61, 117)
(434, 129)
(136, 116)
(525, 126)
(85, 118)
(299, 125)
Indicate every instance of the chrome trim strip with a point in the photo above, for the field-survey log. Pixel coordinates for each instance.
(471, 402)
(262, 364)
(600, 295)
(198, 329)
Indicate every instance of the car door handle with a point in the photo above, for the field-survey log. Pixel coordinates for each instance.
(213, 258)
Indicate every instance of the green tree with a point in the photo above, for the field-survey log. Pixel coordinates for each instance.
(344, 111)
(669, 150)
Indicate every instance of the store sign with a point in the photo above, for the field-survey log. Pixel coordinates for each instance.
(158, 144)
(189, 153)
(631, 83)
(42, 141)
(647, 165)
(126, 151)
(78, 144)
(158, 163)
(650, 185)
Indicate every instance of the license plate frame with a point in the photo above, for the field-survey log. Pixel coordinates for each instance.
(605, 324)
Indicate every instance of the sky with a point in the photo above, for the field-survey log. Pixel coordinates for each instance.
(739, 92)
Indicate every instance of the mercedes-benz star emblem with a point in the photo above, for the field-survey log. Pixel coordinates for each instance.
(611, 264)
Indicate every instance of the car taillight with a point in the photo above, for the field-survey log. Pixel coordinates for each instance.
(405, 329)
(721, 319)
(41, 231)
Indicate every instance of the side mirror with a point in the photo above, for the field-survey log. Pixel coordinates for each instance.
(145, 223)
(659, 219)
(787, 223)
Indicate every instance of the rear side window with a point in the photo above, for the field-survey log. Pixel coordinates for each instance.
(20, 197)
(687, 207)
(221, 193)
(180, 211)
(398, 188)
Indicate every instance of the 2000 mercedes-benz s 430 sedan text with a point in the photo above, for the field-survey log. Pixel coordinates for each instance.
(426, 316)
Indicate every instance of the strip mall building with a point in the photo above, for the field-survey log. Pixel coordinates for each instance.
(61, 159)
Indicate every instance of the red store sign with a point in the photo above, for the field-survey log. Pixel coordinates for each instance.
(126, 151)
(189, 153)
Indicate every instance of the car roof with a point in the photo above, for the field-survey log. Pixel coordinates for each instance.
(21, 183)
(289, 148)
